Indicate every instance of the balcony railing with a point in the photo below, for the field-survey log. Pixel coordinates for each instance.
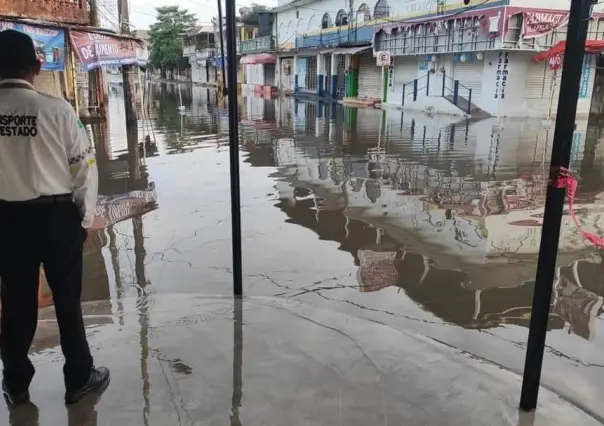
(256, 45)
(64, 11)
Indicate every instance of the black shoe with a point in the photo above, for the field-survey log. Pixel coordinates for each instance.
(14, 399)
(98, 381)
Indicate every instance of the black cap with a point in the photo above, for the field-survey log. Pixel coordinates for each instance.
(17, 52)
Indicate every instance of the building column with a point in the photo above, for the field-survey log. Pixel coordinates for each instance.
(295, 71)
(320, 74)
(334, 76)
(352, 76)
(319, 120)
(332, 122)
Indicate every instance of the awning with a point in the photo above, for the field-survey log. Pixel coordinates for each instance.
(260, 58)
(350, 50)
(591, 46)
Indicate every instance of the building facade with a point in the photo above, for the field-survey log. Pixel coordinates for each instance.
(442, 56)
(199, 46)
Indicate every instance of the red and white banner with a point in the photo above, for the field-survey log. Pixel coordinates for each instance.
(536, 23)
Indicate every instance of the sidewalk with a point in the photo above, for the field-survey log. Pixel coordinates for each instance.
(196, 360)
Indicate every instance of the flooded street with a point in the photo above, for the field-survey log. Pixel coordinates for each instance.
(427, 225)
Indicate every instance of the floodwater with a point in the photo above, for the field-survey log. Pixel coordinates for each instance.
(428, 224)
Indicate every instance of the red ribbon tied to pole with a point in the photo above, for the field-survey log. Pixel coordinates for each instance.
(566, 180)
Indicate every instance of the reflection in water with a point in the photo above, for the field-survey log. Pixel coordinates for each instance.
(431, 213)
(237, 360)
(448, 212)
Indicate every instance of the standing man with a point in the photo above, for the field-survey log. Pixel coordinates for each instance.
(48, 191)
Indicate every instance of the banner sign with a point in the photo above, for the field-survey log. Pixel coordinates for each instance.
(539, 23)
(96, 50)
(49, 43)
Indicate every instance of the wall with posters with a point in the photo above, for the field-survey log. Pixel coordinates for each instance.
(49, 43)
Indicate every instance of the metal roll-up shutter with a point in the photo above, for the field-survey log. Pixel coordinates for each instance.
(49, 82)
(405, 69)
(534, 83)
(469, 74)
(542, 85)
(370, 77)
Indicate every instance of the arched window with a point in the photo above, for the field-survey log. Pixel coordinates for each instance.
(363, 14)
(341, 18)
(326, 22)
(300, 27)
(311, 23)
(288, 33)
(382, 9)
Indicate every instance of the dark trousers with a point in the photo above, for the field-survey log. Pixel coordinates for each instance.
(30, 235)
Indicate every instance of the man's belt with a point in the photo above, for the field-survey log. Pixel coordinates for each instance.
(43, 200)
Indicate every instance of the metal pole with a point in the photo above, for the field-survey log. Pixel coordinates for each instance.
(234, 146)
(223, 59)
(580, 11)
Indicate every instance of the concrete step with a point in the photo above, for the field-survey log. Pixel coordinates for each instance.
(463, 103)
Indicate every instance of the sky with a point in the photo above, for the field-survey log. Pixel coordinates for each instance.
(142, 12)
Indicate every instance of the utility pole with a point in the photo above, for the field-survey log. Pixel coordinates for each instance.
(129, 72)
(578, 21)
(231, 56)
(94, 75)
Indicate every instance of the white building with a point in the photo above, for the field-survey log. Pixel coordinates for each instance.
(445, 56)
(199, 47)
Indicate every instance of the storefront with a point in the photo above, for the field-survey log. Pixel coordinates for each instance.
(370, 77)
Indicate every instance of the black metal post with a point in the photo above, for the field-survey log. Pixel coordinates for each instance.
(223, 59)
(469, 100)
(404, 90)
(234, 146)
(415, 90)
(444, 83)
(580, 11)
(428, 84)
(455, 91)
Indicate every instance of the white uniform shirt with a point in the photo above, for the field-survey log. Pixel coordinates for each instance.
(44, 150)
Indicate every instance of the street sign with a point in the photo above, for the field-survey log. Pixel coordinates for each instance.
(383, 59)
(555, 62)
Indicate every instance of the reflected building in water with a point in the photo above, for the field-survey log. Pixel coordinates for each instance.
(448, 211)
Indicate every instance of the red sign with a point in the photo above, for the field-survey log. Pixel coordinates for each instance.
(539, 23)
(555, 62)
(95, 50)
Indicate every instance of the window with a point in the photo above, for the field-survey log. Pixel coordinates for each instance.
(326, 21)
(363, 14)
(382, 9)
(341, 18)
(311, 24)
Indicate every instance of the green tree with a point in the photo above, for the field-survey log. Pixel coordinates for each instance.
(249, 14)
(165, 37)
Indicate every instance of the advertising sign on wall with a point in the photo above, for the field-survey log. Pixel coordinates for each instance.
(539, 23)
(48, 42)
(96, 50)
(584, 91)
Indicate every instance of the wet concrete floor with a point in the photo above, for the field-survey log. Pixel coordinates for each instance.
(387, 256)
